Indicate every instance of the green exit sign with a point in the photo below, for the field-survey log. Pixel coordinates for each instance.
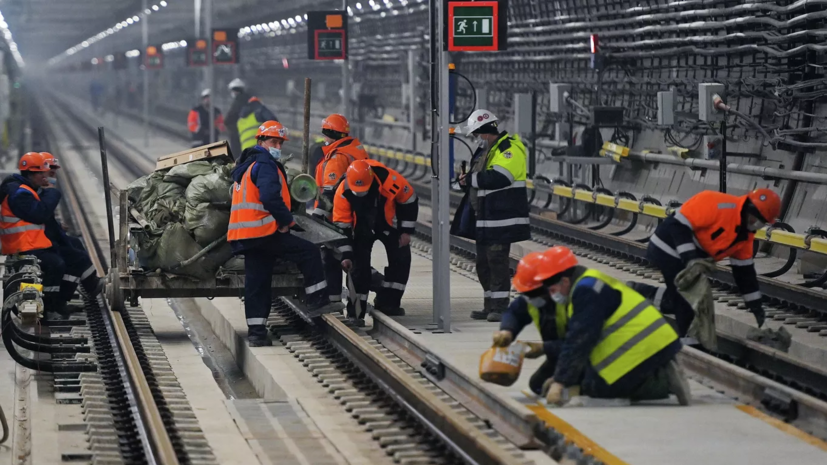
(476, 26)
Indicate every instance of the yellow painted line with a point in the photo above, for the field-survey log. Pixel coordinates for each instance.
(574, 436)
(786, 238)
(785, 427)
(654, 210)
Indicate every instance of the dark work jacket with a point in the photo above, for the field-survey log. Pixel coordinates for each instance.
(517, 317)
(265, 176)
(231, 121)
(24, 205)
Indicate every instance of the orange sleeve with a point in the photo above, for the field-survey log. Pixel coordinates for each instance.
(193, 121)
(335, 168)
(406, 191)
(342, 213)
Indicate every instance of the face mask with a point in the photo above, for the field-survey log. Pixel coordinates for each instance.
(52, 181)
(755, 225)
(326, 143)
(559, 298)
(360, 194)
(275, 153)
(539, 302)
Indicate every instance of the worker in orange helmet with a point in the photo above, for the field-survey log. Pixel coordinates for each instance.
(259, 229)
(376, 203)
(600, 337)
(28, 206)
(710, 225)
(339, 151)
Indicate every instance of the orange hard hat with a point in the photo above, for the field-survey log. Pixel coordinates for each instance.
(537, 267)
(33, 161)
(768, 204)
(359, 176)
(272, 129)
(336, 122)
(51, 160)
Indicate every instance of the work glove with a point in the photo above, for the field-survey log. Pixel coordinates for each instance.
(535, 349)
(502, 338)
(347, 265)
(560, 395)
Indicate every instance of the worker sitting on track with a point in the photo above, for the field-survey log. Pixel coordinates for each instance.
(260, 223)
(376, 203)
(198, 121)
(340, 150)
(28, 204)
(710, 224)
(494, 211)
(599, 336)
(55, 230)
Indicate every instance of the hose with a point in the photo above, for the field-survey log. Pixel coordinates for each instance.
(790, 258)
(633, 221)
(818, 282)
(37, 365)
(610, 212)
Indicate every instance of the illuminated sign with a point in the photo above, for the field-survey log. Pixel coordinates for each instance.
(476, 26)
(327, 35)
(197, 53)
(154, 57)
(224, 47)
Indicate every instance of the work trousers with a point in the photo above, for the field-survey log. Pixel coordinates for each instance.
(668, 300)
(494, 275)
(258, 275)
(396, 274)
(63, 268)
(655, 386)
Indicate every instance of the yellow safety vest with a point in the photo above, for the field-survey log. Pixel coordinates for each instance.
(634, 332)
(247, 130)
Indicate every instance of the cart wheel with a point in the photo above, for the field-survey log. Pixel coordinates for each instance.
(113, 291)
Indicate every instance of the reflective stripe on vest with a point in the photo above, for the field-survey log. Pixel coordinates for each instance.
(18, 236)
(634, 332)
(247, 130)
(248, 217)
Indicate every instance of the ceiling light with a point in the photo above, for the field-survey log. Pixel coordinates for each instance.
(298, 18)
(155, 8)
(163, 3)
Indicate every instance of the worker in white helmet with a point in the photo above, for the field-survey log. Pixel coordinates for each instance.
(198, 121)
(494, 211)
(244, 117)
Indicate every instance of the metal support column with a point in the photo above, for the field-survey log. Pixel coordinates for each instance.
(722, 161)
(145, 41)
(197, 11)
(412, 97)
(345, 74)
(441, 184)
(210, 70)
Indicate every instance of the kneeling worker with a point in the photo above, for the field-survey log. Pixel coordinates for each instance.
(717, 225)
(376, 203)
(260, 223)
(28, 205)
(600, 336)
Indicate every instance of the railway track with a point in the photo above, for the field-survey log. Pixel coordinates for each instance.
(413, 419)
(786, 387)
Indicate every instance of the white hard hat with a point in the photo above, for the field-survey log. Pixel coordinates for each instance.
(236, 84)
(478, 119)
(205, 93)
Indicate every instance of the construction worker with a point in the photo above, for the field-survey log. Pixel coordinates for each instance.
(198, 121)
(600, 337)
(260, 223)
(339, 151)
(245, 116)
(376, 203)
(494, 211)
(28, 205)
(710, 225)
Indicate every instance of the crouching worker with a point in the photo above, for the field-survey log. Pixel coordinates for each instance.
(601, 338)
(28, 205)
(260, 223)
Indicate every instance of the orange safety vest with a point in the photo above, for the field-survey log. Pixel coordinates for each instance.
(337, 159)
(395, 189)
(248, 217)
(715, 218)
(18, 236)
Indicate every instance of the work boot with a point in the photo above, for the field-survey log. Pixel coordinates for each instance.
(257, 336)
(494, 316)
(678, 384)
(480, 314)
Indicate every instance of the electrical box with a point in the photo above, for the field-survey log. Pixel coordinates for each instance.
(557, 97)
(711, 147)
(706, 106)
(666, 108)
(523, 112)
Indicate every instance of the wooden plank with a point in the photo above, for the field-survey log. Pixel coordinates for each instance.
(205, 152)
